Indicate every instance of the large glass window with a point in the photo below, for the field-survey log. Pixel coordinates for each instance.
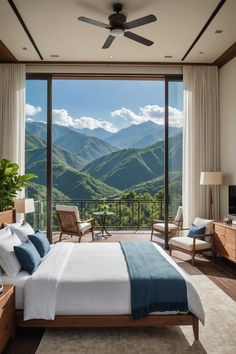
(108, 148)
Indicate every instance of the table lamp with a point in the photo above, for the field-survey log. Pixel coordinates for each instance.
(24, 206)
(210, 179)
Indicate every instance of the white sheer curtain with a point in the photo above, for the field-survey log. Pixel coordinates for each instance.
(12, 115)
(201, 150)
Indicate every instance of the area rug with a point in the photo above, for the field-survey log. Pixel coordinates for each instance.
(218, 336)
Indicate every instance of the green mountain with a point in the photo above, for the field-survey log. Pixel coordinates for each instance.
(127, 168)
(39, 192)
(36, 151)
(85, 147)
(71, 182)
(97, 133)
(154, 185)
(140, 135)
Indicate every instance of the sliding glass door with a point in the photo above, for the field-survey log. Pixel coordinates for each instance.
(116, 143)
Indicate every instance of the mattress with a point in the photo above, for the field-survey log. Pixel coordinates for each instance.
(92, 279)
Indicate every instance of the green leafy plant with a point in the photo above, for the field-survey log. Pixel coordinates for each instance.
(104, 207)
(11, 182)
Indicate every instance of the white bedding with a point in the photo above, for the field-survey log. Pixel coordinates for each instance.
(86, 279)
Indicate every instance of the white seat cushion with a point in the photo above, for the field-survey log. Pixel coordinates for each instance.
(179, 214)
(199, 222)
(161, 227)
(85, 226)
(69, 208)
(186, 243)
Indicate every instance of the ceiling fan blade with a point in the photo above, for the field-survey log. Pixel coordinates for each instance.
(108, 42)
(137, 38)
(140, 21)
(93, 22)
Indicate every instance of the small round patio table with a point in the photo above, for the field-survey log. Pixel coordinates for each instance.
(103, 215)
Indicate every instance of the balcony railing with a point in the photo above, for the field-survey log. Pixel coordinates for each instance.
(128, 214)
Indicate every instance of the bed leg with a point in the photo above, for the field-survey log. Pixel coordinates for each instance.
(196, 327)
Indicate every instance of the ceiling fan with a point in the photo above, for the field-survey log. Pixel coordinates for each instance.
(118, 26)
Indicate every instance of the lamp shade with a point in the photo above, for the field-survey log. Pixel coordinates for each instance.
(211, 178)
(24, 206)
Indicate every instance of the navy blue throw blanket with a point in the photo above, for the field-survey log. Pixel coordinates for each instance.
(155, 284)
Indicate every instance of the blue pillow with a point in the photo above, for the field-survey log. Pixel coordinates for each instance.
(194, 230)
(40, 242)
(27, 256)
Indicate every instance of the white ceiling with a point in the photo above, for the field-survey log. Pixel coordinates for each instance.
(54, 27)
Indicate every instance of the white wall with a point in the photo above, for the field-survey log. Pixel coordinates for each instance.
(227, 130)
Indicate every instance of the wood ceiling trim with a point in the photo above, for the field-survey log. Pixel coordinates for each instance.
(15, 10)
(213, 15)
(228, 55)
(5, 54)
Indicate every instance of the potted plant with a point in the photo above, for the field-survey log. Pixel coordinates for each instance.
(11, 182)
(104, 207)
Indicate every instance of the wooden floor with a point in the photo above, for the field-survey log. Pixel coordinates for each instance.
(221, 272)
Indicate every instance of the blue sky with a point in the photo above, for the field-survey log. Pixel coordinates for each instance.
(110, 104)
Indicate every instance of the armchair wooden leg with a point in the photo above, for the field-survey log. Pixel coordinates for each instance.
(193, 254)
(170, 249)
(60, 236)
(151, 235)
(92, 235)
(80, 238)
(196, 328)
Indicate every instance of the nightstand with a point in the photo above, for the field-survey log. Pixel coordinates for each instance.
(7, 315)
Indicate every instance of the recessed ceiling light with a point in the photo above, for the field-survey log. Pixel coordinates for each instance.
(54, 55)
(201, 52)
(24, 48)
(111, 56)
(169, 56)
(218, 31)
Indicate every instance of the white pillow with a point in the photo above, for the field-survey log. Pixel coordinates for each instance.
(8, 261)
(22, 229)
(5, 232)
(69, 208)
(199, 222)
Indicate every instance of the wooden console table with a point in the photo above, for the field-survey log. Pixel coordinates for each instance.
(225, 240)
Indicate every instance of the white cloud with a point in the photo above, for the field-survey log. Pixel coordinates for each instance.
(153, 113)
(61, 117)
(31, 111)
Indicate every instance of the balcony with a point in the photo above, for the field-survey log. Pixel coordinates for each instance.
(131, 217)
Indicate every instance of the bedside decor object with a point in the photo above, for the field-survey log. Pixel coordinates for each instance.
(11, 183)
(210, 179)
(24, 206)
(226, 220)
(7, 315)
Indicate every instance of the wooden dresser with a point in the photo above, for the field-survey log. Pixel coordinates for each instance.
(7, 315)
(225, 240)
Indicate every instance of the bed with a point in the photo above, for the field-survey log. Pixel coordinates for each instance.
(88, 285)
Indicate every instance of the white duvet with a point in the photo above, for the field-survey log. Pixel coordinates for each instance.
(87, 279)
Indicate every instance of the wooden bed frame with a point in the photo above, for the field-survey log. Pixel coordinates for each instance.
(107, 320)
